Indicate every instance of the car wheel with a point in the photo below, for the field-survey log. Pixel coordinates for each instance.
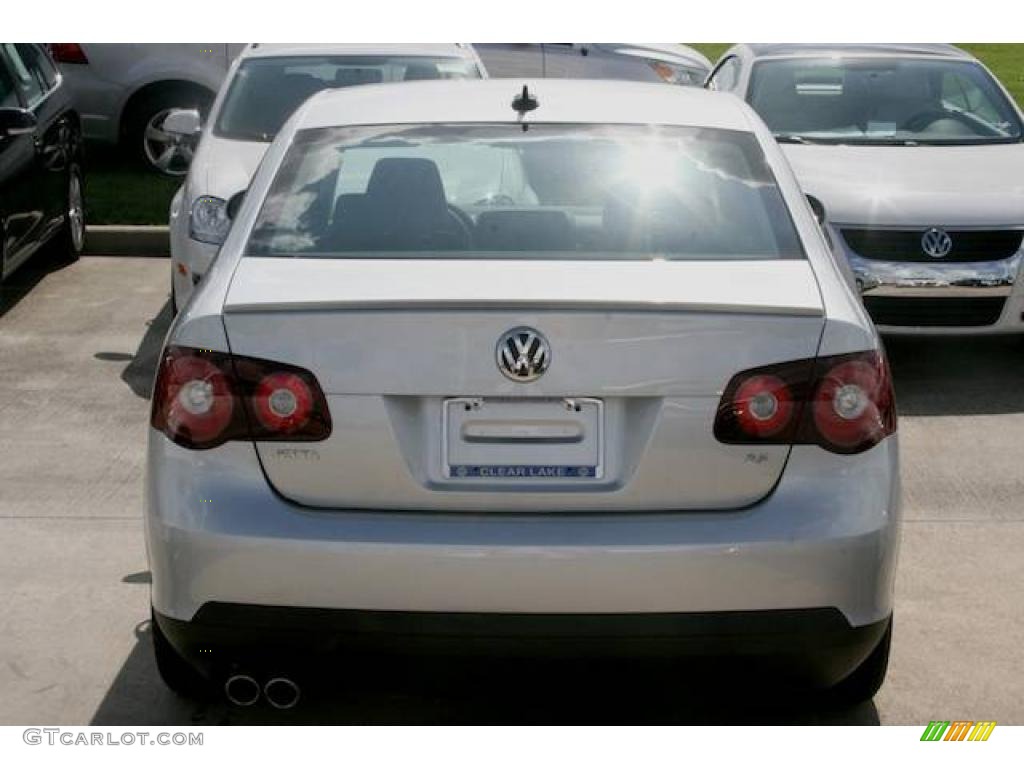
(71, 241)
(175, 671)
(153, 146)
(863, 683)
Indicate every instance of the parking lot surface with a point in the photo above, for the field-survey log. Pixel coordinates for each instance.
(77, 352)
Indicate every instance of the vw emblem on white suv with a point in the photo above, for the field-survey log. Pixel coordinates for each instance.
(936, 243)
(523, 354)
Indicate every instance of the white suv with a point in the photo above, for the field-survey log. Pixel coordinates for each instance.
(264, 86)
(915, 153)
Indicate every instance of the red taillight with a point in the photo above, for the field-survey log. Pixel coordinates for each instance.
(763, 405)
(202, 399)
(843, 403)
(283, 402)
(853, 407)
(68, 53)
(198, 401)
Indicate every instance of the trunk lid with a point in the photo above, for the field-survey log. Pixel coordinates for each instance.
(639, 355)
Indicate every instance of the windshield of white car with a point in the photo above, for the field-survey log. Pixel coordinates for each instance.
(880, 100)
(542, 191)
(266, 90)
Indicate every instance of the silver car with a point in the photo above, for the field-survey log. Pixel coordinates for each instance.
(521, 366)
(916, 154)
(125, 90)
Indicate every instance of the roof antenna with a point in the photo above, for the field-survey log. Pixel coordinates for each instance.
(525, 102)
(522, 103)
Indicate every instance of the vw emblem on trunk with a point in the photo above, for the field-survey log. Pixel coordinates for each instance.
(523, 354)
(936, 243)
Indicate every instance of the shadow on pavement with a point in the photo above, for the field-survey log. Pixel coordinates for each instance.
(18, 285)
(141, 368)
(136, 696)
(451, 691)
(949, 376)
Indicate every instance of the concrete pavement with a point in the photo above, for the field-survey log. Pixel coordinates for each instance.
(77, 351)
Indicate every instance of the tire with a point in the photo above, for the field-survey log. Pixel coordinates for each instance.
(71, 241)
(152, 148)
(177, 674)
(863, 683)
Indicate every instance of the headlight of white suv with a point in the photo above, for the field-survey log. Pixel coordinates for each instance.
(209, 222)
(676, 74)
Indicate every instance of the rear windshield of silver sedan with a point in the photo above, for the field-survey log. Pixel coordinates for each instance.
(267, 89)
(880, 100)
(546, 191)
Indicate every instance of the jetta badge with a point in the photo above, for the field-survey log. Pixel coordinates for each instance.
(523, 354)
(936, 243)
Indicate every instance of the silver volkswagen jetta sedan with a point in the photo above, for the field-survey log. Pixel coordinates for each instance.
(542, 368)
(916, 153)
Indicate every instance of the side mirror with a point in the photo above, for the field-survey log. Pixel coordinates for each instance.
(817, 208)
(183, 122)
(16, 122)
(234, 204)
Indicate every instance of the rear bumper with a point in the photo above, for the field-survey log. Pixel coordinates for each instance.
(816, 647)
(826, 537)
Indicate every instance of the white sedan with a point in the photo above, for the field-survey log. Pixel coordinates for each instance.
(263, 87)
(563, 365)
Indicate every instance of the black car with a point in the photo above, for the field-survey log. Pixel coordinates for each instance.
(41, 193)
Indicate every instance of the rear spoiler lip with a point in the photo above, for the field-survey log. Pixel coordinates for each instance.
(583, 305)
(763, 288)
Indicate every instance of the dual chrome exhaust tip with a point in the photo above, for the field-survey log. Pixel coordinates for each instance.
(245, 690)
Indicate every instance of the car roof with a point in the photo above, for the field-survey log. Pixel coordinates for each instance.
(765, 50)
(453, 50)
(490, 101)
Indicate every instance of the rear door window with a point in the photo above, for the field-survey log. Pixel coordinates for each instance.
(29, 84)
(39, 64)
(8, 92)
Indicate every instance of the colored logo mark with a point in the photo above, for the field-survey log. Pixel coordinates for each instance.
(958, 730)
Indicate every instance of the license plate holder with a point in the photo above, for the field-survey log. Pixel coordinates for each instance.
(521, 440)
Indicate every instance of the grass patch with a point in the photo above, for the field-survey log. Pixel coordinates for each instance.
(712, 50)
(121, 192)
(1006, 60)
